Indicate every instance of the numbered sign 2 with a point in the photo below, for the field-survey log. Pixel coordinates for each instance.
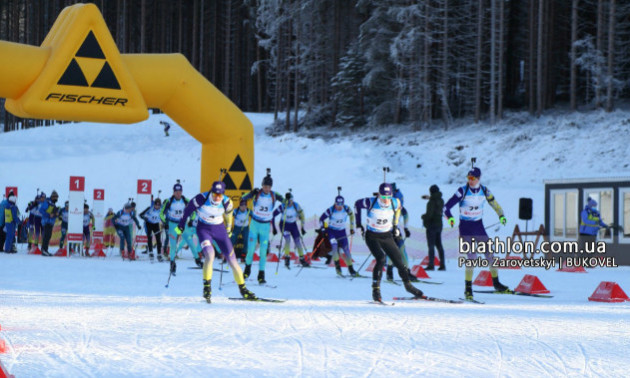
(10, 189)
(144, 186)
(99, 194)
(77, 183)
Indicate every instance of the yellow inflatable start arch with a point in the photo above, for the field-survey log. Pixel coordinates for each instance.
(78, 74)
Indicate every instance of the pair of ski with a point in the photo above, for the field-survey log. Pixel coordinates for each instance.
(351, 276)
(258, 299)
(513, 293)
(422, 298)
(252, 281)
(396, 282)
(471, 300)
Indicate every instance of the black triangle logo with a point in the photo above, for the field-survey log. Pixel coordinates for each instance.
(90, 48)
(229, 184)
(73, 75)
(247, 184)
(106, 79)
(237, 165)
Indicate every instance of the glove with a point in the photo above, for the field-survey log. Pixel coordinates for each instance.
(93, 228)
(165, 226)
(451, 221)
(274, 232)
(190, 223)
(255, 191)
(352, 231)
(178, 230)
(322, 230)
(502, 220)
(303, 231)
(229, 234)
(396, 232)
(362, 230)
(407, 232)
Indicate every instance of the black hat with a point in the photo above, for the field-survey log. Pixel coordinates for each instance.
(267, 180)
(434, 189)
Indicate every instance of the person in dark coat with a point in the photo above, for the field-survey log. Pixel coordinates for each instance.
(432, 221)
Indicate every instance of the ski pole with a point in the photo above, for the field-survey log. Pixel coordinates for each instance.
(317, 246)
(284, 222)
(358, 270)
(492, 225)
(280, 249)
(221, 274)
(169, 279)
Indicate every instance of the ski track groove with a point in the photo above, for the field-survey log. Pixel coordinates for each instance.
(375, 360)
(585, 368)
(537, 340)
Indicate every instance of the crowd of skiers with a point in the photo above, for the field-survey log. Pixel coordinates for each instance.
(220, 227)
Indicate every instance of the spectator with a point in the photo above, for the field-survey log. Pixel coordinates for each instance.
(432, 221)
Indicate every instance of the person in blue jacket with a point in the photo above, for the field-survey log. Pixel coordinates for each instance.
(9, 219)
(49, 212)
(590, 223)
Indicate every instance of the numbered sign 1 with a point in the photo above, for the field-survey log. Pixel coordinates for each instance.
(10, 189)
(77, 183)
(75, 212)
(144, 186)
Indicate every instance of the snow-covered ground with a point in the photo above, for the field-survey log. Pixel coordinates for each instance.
(85, 317)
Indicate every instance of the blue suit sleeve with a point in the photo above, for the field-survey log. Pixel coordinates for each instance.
(192, 206)
(452, 202)
(363, 203)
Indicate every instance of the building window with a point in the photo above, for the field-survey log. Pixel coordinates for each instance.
(604, 198)
(564, 217)
(624, 215)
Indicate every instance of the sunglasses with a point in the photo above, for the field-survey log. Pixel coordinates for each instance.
(386, 197)
(472, 178)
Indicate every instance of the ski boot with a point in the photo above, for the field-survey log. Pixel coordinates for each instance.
(430, 267)
(261, 277)
(352, 272)
(442, 268)
(207, 290)
(413, 290)
(499, 287)
(468, 293)
(246, 293)
(159, 257)
(412, 277)
(173, 267)
(247, 271)
(304, 262)
(328, 259)
(376, 292)
(287, 261)
(389, 275)
(338, 268)
(45, 252)
(199, 262)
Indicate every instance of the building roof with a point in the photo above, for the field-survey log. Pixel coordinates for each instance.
(591, 180)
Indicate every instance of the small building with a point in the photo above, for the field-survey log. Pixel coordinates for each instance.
(565, 200)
